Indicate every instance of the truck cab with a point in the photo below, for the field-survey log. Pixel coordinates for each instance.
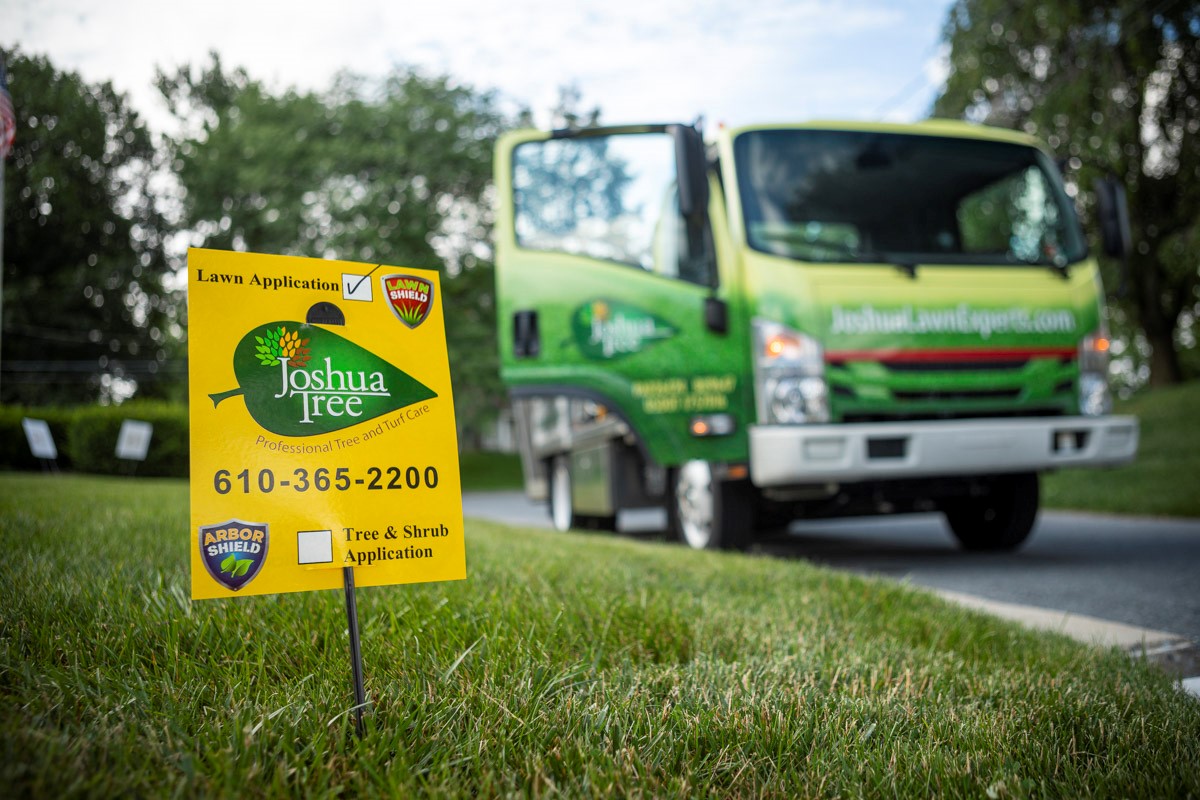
(798, 321)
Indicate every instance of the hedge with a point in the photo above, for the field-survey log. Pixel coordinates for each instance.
(86, 438)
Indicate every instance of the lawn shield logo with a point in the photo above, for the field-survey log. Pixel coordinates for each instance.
(606, 329)
(410, 297)
(234, 552)
(302, 380)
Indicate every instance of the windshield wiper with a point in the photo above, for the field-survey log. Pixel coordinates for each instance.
(834, 249)
(909, 268)
(1060, 267)
(905, 265)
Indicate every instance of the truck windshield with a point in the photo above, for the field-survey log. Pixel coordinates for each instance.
(867, 197)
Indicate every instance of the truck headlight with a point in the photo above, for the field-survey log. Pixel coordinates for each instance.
(789, 373)
(1095, 399)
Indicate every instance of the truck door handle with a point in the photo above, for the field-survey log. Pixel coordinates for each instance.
(526, 341)
(716, 315)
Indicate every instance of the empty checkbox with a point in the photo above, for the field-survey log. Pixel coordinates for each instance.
(314, 547)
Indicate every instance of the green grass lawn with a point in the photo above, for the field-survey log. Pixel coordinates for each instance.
(1163, 479)
(484, 471)
(565, 665)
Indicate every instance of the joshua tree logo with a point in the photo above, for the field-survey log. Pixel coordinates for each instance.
(609, 329)
(299, 379)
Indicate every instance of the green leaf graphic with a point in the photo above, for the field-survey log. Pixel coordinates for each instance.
(241, 567)
(285, 395)
(228, 564)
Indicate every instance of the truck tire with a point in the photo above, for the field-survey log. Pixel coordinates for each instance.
(562, 510)
(707, 513)
(1001, 519)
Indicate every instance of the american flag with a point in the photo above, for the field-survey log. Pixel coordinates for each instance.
(8, 119)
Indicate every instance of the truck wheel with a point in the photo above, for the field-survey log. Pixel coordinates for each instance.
(562, 512)
(1001, 519)
(710, 514)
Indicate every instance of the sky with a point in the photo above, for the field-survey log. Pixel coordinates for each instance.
(730, 61)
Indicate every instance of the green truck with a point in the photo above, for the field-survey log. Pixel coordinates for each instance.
(800, 321)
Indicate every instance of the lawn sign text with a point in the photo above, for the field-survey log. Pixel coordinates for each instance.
(324, 451)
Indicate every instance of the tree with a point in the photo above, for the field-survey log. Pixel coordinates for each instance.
(86, 315)
(389, 171)
(1114, 87)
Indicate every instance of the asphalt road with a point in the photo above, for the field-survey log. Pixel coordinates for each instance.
(1143, 572)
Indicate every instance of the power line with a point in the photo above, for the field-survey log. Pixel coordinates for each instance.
(89, 366)
(911, 87)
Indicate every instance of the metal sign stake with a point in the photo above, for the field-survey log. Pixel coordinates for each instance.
(360, 694)
(325, 313)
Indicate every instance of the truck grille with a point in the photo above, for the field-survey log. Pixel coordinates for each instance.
(929, 416)
(953, 366)
(966, 394)
(898, 386)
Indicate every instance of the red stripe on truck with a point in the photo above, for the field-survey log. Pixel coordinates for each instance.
(990, 354)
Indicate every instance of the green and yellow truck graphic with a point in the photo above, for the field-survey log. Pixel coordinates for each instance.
(800, 321)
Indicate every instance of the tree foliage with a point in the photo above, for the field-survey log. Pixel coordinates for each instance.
(389, 171)
(86, 315)
(1115, 88)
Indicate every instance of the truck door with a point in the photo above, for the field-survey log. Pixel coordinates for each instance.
(606, 290)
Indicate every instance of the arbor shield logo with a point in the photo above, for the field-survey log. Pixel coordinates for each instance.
(234, 552)
(410, 298)
(302, 380)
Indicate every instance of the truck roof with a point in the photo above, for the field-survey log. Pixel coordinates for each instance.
(929, 127)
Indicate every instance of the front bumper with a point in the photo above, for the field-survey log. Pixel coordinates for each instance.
(782, 455)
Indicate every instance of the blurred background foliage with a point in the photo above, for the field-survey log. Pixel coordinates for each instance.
(397, 169)
(86, 311)
(1114, 89)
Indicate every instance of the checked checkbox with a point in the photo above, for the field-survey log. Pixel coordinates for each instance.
(356, 287)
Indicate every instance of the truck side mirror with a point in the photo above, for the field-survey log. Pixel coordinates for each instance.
(1112, 212)
(691, 172)
(691, 167)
